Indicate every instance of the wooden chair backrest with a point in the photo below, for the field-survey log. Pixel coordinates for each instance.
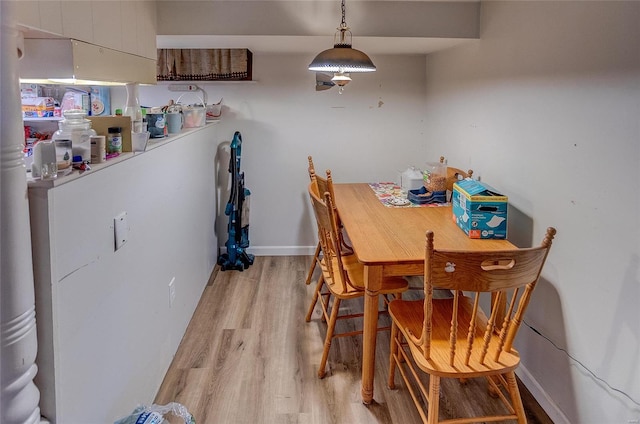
(320, 182)
(329, 235)
(510, 273)
(455, 174)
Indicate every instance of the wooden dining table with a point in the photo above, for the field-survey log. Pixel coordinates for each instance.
(390, 241)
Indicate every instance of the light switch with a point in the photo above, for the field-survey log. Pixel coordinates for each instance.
(120, 230)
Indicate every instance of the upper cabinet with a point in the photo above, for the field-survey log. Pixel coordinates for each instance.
(127, 26)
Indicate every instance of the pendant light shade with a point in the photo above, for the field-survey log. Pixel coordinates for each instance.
(342, 57)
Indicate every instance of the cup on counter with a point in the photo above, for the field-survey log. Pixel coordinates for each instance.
(156, 125)
(175, 122)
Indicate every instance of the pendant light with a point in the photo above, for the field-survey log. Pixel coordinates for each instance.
(342, 58)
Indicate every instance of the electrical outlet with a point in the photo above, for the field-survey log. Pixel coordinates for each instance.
(172, 291)
(120, 230)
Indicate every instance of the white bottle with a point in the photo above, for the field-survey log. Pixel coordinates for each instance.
(132, 108)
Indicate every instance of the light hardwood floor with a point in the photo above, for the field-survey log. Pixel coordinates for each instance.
(248, 356)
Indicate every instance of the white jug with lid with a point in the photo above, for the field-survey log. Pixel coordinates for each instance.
(411, 178)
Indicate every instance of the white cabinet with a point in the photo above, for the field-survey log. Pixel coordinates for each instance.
(52, 13)
(146, 28)
(77, 20)
(107, 328)
(127, 26)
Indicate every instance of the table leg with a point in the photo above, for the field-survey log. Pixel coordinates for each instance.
(372, 282)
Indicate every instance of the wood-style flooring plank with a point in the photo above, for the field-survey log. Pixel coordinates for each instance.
(248, 356)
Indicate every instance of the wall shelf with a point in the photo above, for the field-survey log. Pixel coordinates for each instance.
(207, 82)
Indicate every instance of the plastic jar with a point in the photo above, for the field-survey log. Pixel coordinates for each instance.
(435, 177)
(114, 140)
(77, 128)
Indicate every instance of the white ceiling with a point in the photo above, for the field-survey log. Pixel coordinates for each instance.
(308, 26)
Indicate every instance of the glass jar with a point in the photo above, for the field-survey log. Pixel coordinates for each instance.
(77, 128)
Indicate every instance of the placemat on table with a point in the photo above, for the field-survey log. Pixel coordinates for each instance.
(386, 192)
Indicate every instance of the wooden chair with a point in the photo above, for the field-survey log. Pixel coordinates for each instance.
(453, 338)
(322, 185)
(342, 275)
(453, 175)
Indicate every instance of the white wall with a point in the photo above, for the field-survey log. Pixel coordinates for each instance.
(368, 133)
(546, 107)
(107, 331)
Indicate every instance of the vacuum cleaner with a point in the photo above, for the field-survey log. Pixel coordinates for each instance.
(237, 210)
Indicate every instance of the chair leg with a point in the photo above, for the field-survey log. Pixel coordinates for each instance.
(327, 341)
(393, 348)
(433, 399)
(516, 400)
(316, 294)
(493, 392)
(312, 268)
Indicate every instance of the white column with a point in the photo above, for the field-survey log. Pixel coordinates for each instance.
(19, 396)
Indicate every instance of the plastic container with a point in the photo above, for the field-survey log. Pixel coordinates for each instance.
(214, 111)
(422, 196)
(195, 115)
(139, 141)
(411, 178)
(435, 177)
(77, 128)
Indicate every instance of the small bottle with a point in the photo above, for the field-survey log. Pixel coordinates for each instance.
(114, 140)
(98, 149)
(118, 112)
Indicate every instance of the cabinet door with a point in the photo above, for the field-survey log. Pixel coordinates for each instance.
(51, 16)
(127, 26)
(42, 15)
(27, 13)
(146, 29)
(129, 19)
(107, 25)
(77, 20)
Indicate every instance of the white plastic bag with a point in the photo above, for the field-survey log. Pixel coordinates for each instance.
(155, 414)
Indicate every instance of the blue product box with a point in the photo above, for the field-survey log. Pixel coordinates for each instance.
(479, 210)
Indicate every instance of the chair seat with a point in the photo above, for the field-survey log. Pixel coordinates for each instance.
(409, 316)
(355, 273)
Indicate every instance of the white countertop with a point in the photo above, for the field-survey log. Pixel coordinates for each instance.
(153, 143)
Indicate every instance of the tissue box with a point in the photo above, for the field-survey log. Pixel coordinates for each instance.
(479, 210)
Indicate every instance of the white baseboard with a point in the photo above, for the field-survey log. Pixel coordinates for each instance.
(281, 250)
(541, 396)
